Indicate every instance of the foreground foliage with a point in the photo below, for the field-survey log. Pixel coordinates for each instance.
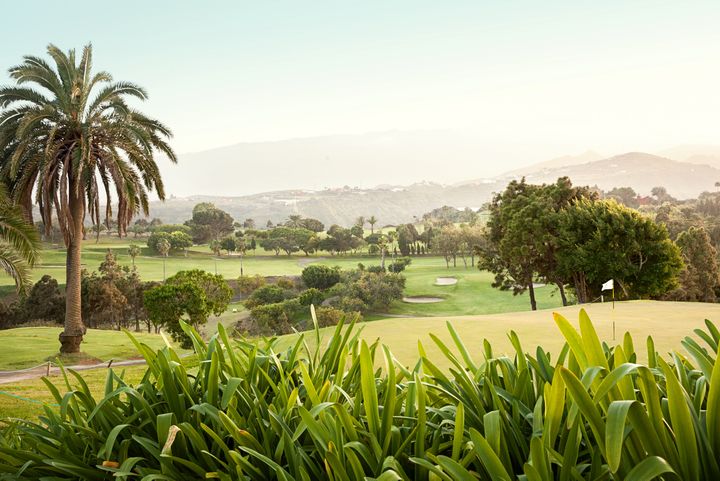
(326, 411)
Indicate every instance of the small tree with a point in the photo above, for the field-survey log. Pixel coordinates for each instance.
(133, 252)
(190, 296)
(229, 244)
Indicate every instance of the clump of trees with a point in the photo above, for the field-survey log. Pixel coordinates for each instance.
(289, 240)
(700, 276)
(283, 306)
(163, 242)
(566, 236)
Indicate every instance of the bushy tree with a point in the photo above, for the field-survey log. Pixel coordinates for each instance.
(190, 296)
(340, 240)
(44, 301)
(229, 244)
(175, 241)
(601, 240)
(209, 223)
(624, 195)
(289, 240)
(523, 235)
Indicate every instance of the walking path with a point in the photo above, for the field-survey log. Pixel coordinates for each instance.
(9, 377)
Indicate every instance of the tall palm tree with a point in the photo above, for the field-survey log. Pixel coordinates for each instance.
(372, 221)
(19, 243)
(69, 138)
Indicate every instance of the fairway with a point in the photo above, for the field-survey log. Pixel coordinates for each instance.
(667, 322)
(472, 294)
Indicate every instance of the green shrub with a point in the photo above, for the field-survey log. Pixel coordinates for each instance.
(320, 277)
(248, 284)
(399, 265)
(254, 412)
(268, 294)
(368, 291)
(329, 316)
(286, 283)
(272, 319)
(311, 296)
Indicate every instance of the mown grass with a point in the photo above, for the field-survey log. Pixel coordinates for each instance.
(29, 346)
(667, 322)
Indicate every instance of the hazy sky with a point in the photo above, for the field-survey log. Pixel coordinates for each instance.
(569, 75)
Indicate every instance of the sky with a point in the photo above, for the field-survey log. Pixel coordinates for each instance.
(553, 77)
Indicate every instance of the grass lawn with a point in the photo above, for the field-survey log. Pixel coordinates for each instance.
(29, 346)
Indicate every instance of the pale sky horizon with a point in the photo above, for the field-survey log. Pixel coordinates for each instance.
(567, 76)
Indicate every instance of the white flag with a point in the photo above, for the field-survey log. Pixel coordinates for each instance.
(608, 286)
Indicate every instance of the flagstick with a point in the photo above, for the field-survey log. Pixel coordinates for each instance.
(613, 294)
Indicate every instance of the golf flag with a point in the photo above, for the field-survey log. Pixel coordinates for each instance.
(608, 286)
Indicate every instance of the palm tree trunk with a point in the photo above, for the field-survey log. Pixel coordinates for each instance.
(72, 336)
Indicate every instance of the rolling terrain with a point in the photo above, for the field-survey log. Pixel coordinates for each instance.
(394, 204)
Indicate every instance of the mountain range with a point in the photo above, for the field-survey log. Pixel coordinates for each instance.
(685, 171)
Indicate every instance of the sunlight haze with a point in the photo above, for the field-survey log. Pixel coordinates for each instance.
(521, 82)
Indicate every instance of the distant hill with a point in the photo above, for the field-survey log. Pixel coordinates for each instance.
(558, 162)
(695, 154)
(362, 160)
(393, 204)
(390, 204)
(639, 170)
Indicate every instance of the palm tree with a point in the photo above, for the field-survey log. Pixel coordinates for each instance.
(134, 251)
(372, 221)
(163, 248)
(19, 243)
(70, 139)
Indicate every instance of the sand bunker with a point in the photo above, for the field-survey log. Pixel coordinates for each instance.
(422, 300)
(445, 281)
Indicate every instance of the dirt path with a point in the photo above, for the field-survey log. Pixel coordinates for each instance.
(9, 377)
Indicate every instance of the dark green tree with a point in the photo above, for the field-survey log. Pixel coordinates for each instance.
(209, 223)
(602, 240)
(700, 278)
